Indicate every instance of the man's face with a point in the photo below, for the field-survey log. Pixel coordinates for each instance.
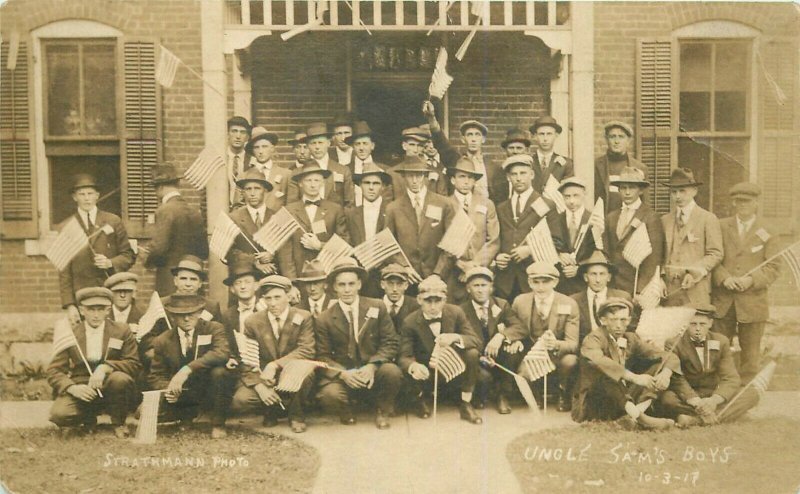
(316, 289)
(514, 148)
(363, 147)
(237, 137)
(412, 147)
(301, 151)
(520, 177)
(473, 139)
(429, 150)
(86, 198)
(573, 197)
(617, 140)
(629, 193)
(122, 298)
(683, 195)
(187, 282)
(415, 181)
(542, 287)
(346, 287)
(699, 327)
(263, 150)
(340, 133)
(597, 277)
(311, 184)
(431, 305)
(187, 322)
(277, 300)
(463, 182)
(479, 289)
(95, 314)
(254, 194)
(244, 287)
(372, 187)
(394, 288)
(545, 138)
(616, 321)
(318, 146)
(745, 207)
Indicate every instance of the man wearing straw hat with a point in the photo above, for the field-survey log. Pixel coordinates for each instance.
(283, 333)
(337, 186)
(109, 251)
(357, 340)
(262, 146)
(314, 294)
(189, 365)
(98, 372)
(741, 281)
(609, 166)
(250, 218)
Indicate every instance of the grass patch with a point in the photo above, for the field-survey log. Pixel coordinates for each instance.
(35, 460)
(748, 456)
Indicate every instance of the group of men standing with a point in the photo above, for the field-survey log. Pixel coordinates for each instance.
(377, 336)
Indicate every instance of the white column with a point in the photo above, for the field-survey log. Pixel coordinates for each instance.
(582, 111)
(214, 118)
(242, 87)
(559, 106)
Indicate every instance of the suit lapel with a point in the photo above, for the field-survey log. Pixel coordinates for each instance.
(408, 208)
(363, 320)
(689, 348)
(298, 210)
(285, 333)
(269, 337)
(80, 336)
(106, 336)
(527, 209)
(360, 225)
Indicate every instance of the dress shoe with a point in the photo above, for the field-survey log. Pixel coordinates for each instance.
(503, 408)
(564, 403)
(348, 419)
(421, 409)
(685, 421)
(381, 420)
(121, 432)
(218, 432)
(298, 426)
(270, 420)
(469, 414)
(478, 404)
(654, 423)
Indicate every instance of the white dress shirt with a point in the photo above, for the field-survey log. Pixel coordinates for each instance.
(121, 315)
(597, 298)
(436, 327)
(324, 162)
(94, 342)
(388, 303)
(463, 199)
(259, 212)
(311, 210)
(544, 305)
(351, 311)
(687, 211)
(89, 217)
(344, 157)
(316, 305)
(482, 183)
(523, 200)
(544, 159)
(246, 309)
(278, 322)
(744, 226)
(186, 339)
(421, 195)
(372, 211)
(265, 167)
(230, 160)
(626, 215)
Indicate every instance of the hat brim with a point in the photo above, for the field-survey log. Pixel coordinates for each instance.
(542, 275)
(484, 130)
(583, 267)
(479, 275)
(687, 184)
(230, 279)
(175, 270)
(273, 138)
(385, 177)
(405, 170)
(267, 185)
(319, 134)
(298, 175)
(398, 276)
(311, 279)
(505, 143)
(185, 310)
(95, 301)
(744, 195)
(534, 128)
(351, 139)
(641, 183)
(416, 137)
(452, 172)
(427, 295)
(124, 285)
(361, 272)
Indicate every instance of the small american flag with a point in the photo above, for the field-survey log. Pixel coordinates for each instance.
(248, 350)
(70, 240)
(458, 236)
(377, 249)
(63, 337)
(650, 296)
(295, 372)
(792, 257)
(223, 236)
(321, 8)
(148, 418)
(638, 247)
(203, 168)
(660, 325)
(598, 213)
(447, 362)
(277, 231)
(540, 240)
(154, 312)
(537, 362)
(167, 67)
(441, 80)
(762, 379)
(551, 192)
(333, 250)
(479, 8)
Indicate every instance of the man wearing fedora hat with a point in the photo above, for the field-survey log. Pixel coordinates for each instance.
(358, 341)
(414, 141)
(546, 162)
(189, 361)
(237, 158)
(694, 244)
(741, 299)
(517, 141)
(283, 334)
(109, 251)
(300, 147)
(341, 149)
(106, 347)
(256, 212)
(363, 146)
(553, 317)
(314, 295)
(242, 281)
(123, 291)
(262, 146)
(337, 186)
(609, 166)
(394, 283)
(597, 272)
(631, 214)
(179, 229)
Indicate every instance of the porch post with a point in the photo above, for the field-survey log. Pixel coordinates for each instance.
(559, 106)
(242, 85)
(582, 18)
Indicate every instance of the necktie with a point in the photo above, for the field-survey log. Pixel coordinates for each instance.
(681, 218)
(258, 219)
(594, 309)
(433, 321)
(519, 207)
(393, 310)
(624, 219)
(418, 209)
(236, 167)
(352, 318)
(89, 224)
(277, 329)
(187, 344)
(573, 229)
(540, 309)
(312, 203)
(484, 315)
(314, 308)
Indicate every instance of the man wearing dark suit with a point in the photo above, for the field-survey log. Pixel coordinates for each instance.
(236, 157)
(284, 334)
(341, 149)
(337, 186)
(123, 306)
(416, 142)
(623, 221)
(597, 272)
(700, 394)
(189, 362)
(262, 146)
(300, 149)
(567, 228)
(620, 374)
(109, 251)
(319, 218)
(438, 325)
(517, 216)
(609, 167)
(546, 162)
(179, 229)
(357, 339)
(741, 298)
(243, 283)
(107, 348)
(314, 293)
(394, 283)
(363, 145)
(251, 218)
(502, 335)
(517, 141)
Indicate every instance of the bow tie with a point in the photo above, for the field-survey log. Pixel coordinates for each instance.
(312, 203)
(699, 344)
(245, 308)
(434, 320)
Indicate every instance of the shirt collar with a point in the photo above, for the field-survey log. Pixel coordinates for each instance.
(421, 194)
(433, 317)
(478, 306)
(281, 318)
(548, 300)
(261, 210)
(524, 196)
(123, 314)
(544, 159)
(578, 214)
(346, 307)
(463, 197)
(267, 165)
(376, 204)
(389, 303)
(92, 214)
(247, 304)
(169, 196)
(306, 198)
(323, 163)
(601, 295)
(96, 330)
(634, 206)
(687, 210)
(745, 224)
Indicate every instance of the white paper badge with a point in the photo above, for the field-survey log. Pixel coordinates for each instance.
(277, 179)
(763, 235)
(338, 177)
(372, 313)
(713, 345)
(560, 160)
(203, 339)
(434, 212)
(496, 310)
(757, 248)
(114, 344)
(433, 176)
(206, 316)
(279, 194)
(107, 229)
(691, 238)
(540, 207)
(318, 227)
(480, 208)
(622, 343)
(564, 309)
(297, 319)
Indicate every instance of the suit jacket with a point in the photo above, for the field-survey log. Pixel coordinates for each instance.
(485, 244)
(168, 358)
(502, 319)
(420, 241)
(697, 245)
(563, 320)
(742, 255)
(560, 167)
(417, 339)
(244, 221)
(717, 375)
(512, 234)
(211, 312)
(327, 301)
(626, 273)
(410, 305)
(295, 341)
(81, 271)
(449, 155)
(235, 195)
(292, 255)
(585, 312)
(338, 186)
(602, 177)
(67, 367)
(337, 347)
(179, 230)
(560, 233)
(231, 322)
(280, 178)
(356, 227)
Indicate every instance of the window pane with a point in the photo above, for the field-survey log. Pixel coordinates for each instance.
(695, 90)
(99, 71)
(695, 154)
(105, 169)
(730, 110)
(731, 166)
(730, 84)
(63, 97)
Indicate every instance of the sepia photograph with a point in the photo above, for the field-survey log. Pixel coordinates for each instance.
(399, 246)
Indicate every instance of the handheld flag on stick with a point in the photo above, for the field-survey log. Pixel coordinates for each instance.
(248, 350)
(64, 338)
(650, 297)
(333, 250)
(148, 418)
(792, 257)
(70, 240)
(458, 236)
(537, 363)
(598, 215)
(203, 168)
(638, 247)
(167, 67)
(321, 8)
(479, 8)
(377, 249)
(295, 372)
(663, 324)
(223, 236)
(540, 240)
(447, 362)
(280, 227)
(522, 383)
(760, 383)
(441, 80)
(154, 312)
(551, 192)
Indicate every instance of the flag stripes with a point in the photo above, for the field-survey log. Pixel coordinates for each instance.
(277, 231)
(638, 246)
(203, 168)
(650, 296)
(441, 80)
(377, 249)
(223, 236)
(598, 215)
(70, 240)
(447, 362)
(148, 418)
(540, 240)
(458, 236)
(792, 258)
(333, 250)
(167, 67)
(551, 192)
(537, 362)
(248, 350)
(295, 372)
(154, 312)
(762, 379)
(63, 337)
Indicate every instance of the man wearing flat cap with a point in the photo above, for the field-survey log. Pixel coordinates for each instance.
(609, 166)
(358, 341)
(237, 158)
(252, 217)
(438, 324)
(108, 252)
(553, 317)
(394, 284)
(337, 185)
(741, 295)
(97, 371)
(243, 284)
(284, 334)
(123, 291)
(709, 381)
(503, 338)
(693, 243)
(517, 141)
(597, 272)
(179, 229)
(189, 362)
(546, 162)
(621, 374)
(262, 146)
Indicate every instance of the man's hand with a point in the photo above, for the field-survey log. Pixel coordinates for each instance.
(465, 266)
(264, 257)
(266, 268)
(367, 375)
(706, 406)
(73, 314)
(550, 341)
(643, 380)
(268, 374)
(175, 386)
(502, 260)
(418, 371)
(514, 347)
(82, 392)
(745, 282)
(231, 364)
(494, 345)
(102, 261)
(267, 395)
(570, 270)
(310, 241)
(448, 339)
(689, 281)
(520, 252)
(99, 376)
(661, 382)
(150, 354)
(352, 378)
(294, 295)
(413, 276)
(731, 284)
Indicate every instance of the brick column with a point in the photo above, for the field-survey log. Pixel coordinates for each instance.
(582, 71)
